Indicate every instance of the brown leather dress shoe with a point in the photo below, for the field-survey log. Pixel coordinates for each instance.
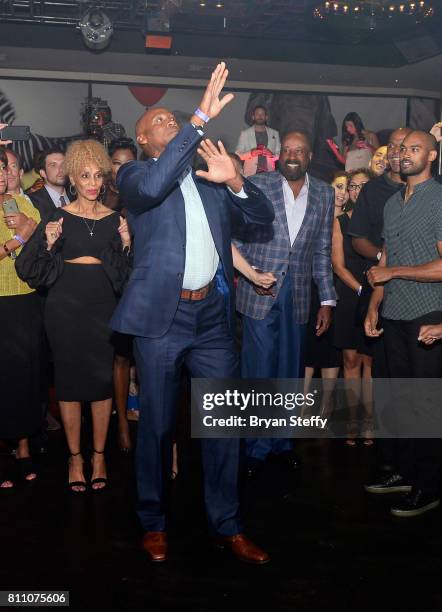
(243, 549)
(155, 545)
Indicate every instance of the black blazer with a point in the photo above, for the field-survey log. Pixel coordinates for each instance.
(43, 202)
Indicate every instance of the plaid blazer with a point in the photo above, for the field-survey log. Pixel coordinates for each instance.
(268, 247)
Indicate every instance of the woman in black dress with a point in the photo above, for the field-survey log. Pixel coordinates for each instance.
(83, 256)
(321, 354)
(349, 336)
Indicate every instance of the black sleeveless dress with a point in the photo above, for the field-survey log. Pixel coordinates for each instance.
(348, 332)
(78, 309)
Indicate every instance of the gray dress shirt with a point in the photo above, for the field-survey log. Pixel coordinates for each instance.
(412, 230)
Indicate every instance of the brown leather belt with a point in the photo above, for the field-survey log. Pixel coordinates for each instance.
(195, 295)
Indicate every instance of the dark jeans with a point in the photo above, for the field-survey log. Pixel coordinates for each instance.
(418, 460)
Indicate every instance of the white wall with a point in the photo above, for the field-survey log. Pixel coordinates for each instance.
(376, 113)
(54, 108)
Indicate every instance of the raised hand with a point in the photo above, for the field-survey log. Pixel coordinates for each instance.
(436, 131)
(221, 168)
(53, 231)
(211, 104)
(123, 228)
(4, 142)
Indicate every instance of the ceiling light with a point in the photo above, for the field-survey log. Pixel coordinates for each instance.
(373, 14)
(96, 29)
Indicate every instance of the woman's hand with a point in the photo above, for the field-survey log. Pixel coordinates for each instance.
(263, 279)
(123, 228)
(53, 232)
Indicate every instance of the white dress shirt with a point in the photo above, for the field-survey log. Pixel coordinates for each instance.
(55, 196)
(295, 212)
(202, 258)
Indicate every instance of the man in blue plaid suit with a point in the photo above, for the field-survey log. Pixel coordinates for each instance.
(296, 248)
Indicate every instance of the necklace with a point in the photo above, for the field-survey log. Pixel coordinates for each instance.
(90, 229)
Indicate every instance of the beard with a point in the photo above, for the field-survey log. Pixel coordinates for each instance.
(413, 169)
(291, 174)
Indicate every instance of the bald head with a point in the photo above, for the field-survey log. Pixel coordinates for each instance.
(399, 134)
(426, 139)
(394, 145)
(295, 156)
(298, 134)
(418, 151)
(155, 129)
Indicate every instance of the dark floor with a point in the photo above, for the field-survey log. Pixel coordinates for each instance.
(333, 547)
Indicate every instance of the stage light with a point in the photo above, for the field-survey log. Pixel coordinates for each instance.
(96, 29)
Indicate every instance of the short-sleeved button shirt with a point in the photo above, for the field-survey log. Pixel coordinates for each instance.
(412, 230)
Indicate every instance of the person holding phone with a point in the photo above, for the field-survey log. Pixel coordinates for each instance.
(22, 333)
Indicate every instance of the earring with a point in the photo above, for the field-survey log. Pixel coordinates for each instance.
(72, 190)
(102, 192)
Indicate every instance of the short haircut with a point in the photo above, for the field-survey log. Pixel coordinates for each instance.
(365, 171)
(302, 133)
(18, 158)
(260, 106)
(41, 161)
(82, 152)
(123, 143)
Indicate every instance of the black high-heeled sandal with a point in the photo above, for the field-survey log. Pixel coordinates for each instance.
(101, 480)
(76, 483)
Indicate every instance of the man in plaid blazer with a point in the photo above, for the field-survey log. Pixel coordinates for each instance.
(296, 248)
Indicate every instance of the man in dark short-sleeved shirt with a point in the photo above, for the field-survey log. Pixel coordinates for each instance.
(365, 228)
(408, 281)
(367, 220)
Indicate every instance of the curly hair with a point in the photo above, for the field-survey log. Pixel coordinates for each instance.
(82, 152)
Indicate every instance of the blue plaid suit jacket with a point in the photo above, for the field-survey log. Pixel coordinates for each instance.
(268, 247)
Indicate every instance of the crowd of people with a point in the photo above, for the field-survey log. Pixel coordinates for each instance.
(112, 261)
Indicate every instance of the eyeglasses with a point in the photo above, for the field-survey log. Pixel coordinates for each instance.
(355, 187)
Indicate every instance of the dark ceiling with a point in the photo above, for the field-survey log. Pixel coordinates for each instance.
(279, 30)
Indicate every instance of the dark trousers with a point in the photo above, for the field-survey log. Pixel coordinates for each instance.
(418, 460)
(199, 337)
(273, 347)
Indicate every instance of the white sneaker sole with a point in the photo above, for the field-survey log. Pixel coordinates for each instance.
(416, 512)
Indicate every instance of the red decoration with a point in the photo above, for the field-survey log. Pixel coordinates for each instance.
(148, 96)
